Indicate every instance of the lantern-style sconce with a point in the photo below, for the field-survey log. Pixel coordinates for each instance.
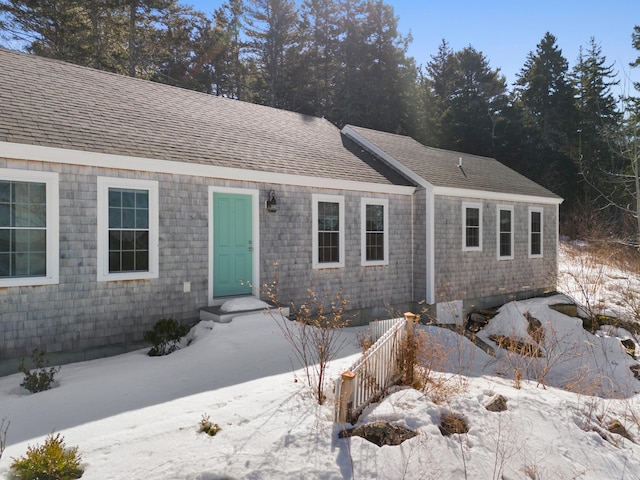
(271, 203)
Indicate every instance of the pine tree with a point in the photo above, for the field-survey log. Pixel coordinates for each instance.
(273, 43)
(544, 98)
(468, 98)
(597, 121)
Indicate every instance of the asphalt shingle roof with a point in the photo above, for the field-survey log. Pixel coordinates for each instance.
(50, 103)
(440, 167)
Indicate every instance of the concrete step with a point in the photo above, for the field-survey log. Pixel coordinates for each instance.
(217, 315)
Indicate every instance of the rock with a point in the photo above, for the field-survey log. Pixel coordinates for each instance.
(635, 369)
(568, 309)
(380, 433)
(630, 346)
(615, 426)
(498, 403)
(452, 423)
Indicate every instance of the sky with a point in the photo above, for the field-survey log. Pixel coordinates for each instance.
(506, 31)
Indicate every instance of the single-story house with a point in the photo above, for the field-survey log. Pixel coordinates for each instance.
(124, 201)
(484, 234)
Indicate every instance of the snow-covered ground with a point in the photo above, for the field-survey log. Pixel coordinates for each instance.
(136, 417)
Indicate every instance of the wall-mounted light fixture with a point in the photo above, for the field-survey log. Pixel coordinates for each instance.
(271, 203)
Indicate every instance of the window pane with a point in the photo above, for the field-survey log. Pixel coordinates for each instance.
(473, 217)
(37, 264)
(37, 240)
(37, 215)
(128, 261)
(114, 262)
(5, 215)
(142, 200)
(472, 237)
(128, 218)
(328, 248)
(23, 236)
(328, 216)
(5, 192)
(115, 218)
(142, 261)
(114, 240)
(5, 241)
(128, 240)
(128, 198)
(142, 240)
(115, 198)
(505, 233)
(5, 265)
(536, 233)
(375, 246)
(128, 234)
(375, 218)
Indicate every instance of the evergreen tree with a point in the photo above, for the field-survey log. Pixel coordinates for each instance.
(226, 50)
(468, 98)
(320, 30)
(597, 120)
(273, 43)
(377, 87)
(544, 98)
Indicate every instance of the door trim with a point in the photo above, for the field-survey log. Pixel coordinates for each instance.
(255, 234)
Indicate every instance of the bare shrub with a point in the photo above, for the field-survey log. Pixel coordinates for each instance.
(431, 367)
(537, 361)
(314, 334)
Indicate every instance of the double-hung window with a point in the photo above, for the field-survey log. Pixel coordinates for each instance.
(505, 232)
(535, 232)
(328, 231)
(374, 231)
(29, 228)
(471, 226)
(127, 229)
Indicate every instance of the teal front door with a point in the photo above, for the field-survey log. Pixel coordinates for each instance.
(232, 245)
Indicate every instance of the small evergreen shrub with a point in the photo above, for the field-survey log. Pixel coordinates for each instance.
(206, 426)
(51, 461)
(41, 378)
(165, 337)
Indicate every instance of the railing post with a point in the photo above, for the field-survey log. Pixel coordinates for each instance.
(346, 397)
(410, 348)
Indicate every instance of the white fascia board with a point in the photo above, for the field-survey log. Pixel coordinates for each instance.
(430, 207)
(431, 248)
(388, 159)
(20, 151)
(498, 196)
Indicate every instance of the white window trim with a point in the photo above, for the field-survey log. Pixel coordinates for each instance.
(466, 205)
(104, 183)
(363, 231)
(511, 209)
(52, 181)
(315, 199)
(541, 212)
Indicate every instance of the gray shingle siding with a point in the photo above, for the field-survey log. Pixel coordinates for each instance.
(476, 274)
(83, 315)
(286, 239)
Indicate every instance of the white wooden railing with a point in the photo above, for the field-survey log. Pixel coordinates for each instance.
(378, 328)
(374, 372)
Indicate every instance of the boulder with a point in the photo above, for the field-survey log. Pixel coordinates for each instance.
(498, 403)
(380, 433)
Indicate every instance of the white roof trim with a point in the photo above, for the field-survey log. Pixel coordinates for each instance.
(445, 191)
(21, 151)
(500, 196)
(373, 148)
